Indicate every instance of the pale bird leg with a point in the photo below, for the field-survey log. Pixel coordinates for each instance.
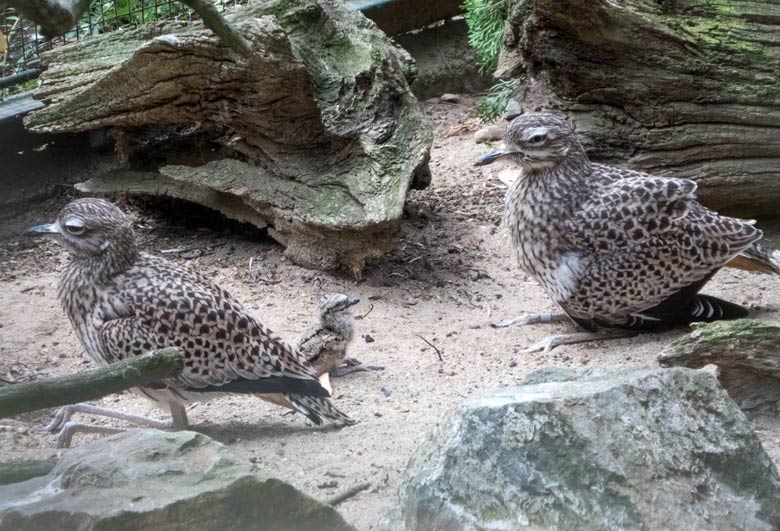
(61, 421)
(353, 365)
(532, 318)
(551, 342)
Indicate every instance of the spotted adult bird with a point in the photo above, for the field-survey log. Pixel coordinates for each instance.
(122, 302)
(619, 251)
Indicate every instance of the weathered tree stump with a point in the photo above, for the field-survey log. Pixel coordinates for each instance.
(746, 351)
(313, 133)
(684, 88)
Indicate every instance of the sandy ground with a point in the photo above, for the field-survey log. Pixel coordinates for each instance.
(451, 276)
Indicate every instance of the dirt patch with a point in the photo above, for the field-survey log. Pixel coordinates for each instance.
(451, 276)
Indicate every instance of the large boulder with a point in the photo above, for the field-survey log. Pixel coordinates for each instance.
(314, 133)
(683, 89)
(643, 449)
(149, 479)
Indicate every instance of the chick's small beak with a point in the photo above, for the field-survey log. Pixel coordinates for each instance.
(493, 156)
(352, 301)
(49, 228)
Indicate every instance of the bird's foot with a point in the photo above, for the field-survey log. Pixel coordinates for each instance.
(549, 343)
(65, 429)
(532, 318)
(351, 365)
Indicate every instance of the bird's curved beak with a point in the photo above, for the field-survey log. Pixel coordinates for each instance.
(49, 228)
(352, 301)
(494, 156)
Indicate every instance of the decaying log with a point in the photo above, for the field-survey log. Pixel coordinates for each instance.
(89, 385)
(746, 351)
(313, 133)
(686, 89)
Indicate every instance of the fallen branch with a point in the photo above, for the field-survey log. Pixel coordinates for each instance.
(216, 23)
(347, 494)
(438, 352)
(89, 385)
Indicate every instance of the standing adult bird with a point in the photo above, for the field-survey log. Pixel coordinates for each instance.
(122, 303)
(619, 251)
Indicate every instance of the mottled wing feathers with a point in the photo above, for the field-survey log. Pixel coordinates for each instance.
(225, 347)
(634, 210)
(631, 210)
(644, 238)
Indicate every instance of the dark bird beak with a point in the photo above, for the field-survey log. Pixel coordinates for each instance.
(351, 302)
(49, 228)
(494, 156)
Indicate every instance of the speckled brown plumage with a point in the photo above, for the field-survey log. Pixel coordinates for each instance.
(325, 345)
(615, 247)
(123, 303)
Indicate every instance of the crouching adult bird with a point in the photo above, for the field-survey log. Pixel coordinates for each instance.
(620, 251)
(122, 303)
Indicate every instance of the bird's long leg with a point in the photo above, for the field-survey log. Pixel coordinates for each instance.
(353, 365)
(532, 318)
(61, 422)
(551, 342)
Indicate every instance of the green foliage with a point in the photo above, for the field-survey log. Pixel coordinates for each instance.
(485, 19)
(493, 105)
(112, 14)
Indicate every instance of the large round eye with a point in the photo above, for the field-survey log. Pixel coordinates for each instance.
(75, 226)
(537, 138)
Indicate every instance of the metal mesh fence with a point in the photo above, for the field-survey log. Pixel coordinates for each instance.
(21, 43)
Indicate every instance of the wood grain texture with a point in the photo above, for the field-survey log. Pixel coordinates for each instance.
(314, 133)
(682, 89)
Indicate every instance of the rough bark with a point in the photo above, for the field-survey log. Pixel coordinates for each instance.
(314, 133)
(747, 352)
(89, 385)
(55, 17)
(685, 88)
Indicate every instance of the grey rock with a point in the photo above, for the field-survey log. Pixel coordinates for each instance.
(449, 98)
(513, 109)
(746, 354)
(149, 479)
(643, 449)
(549, 374)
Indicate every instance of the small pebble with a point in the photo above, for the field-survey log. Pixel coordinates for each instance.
(513, 363)
(368, 339)
(449, 98)
(385, 391)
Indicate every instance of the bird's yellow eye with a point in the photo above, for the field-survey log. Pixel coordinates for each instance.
(75, 226)
(537, 139)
